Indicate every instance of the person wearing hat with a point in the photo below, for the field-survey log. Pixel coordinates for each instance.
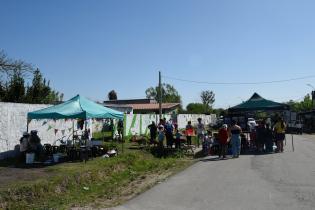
(34, 142)
(223, 140)
(24, 145)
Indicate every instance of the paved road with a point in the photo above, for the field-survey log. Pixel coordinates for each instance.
(275, 181)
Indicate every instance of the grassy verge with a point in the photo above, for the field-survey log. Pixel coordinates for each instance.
(103, 182)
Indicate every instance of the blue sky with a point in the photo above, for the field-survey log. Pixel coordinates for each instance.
(92, 47)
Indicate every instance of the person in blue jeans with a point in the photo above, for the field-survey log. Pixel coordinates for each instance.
(235, 132)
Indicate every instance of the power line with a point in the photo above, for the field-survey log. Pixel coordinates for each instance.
(239, 83)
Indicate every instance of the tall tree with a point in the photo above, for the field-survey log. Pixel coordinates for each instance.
(15, 90)
(40, 91)
(195, 108)
(305, 105)
(169, 94)
(8, 66)
(112, 95)
(207, 98)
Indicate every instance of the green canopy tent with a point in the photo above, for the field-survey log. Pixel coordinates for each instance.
(77, 107)
(257, 103)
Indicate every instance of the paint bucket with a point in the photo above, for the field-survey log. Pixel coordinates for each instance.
(56, 158)
(30, 158)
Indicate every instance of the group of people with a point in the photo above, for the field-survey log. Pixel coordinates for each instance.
(263, 136)
(165, 129)
(169, 130)
(30, 143)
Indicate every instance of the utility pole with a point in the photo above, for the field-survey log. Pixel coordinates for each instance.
(160, 94)
(312, 94)
(313, 98)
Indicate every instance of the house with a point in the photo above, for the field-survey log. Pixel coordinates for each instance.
(141, 106)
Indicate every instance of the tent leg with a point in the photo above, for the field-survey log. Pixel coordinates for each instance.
(27, 125)
(73, 132)
(122, 143)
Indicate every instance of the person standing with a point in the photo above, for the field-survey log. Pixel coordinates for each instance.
(24, 145)
(235, 132)
(177, 139)
(223, 141)
(169, 134)
(153, 132)
(200, 131)
(279, 130)
(269, 140)
(35, 143)
(120, 128)
(189, 132)
(261, 136)
(160, 141)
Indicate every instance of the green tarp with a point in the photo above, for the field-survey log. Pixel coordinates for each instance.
(256, 102)
(76, 108)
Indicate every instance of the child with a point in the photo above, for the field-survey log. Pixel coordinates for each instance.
(189, 132)
(215, 145)
(177, 139)
(207, 140)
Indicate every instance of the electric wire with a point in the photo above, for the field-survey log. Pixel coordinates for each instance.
(240, 83)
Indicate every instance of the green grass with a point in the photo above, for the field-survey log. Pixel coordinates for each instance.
(79, 184)
(102, 135)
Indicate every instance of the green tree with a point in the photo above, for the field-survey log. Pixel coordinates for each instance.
(112, 95)
(40, 92)
(2, 91)
(169, 94)
(15, 90)
(220, 112)
(195, 108)
(207, 98)
(305, 105)
(8, 66)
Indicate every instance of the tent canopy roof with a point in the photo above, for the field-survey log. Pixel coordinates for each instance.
(77, 107)
(256, 102)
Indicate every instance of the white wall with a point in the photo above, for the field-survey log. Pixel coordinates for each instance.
(13, 121)
(138, 123)
(182, 119)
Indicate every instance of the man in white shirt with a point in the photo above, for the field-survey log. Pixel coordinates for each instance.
(200, 131)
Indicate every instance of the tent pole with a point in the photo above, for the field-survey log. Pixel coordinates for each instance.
(27, 122)
(73, 132)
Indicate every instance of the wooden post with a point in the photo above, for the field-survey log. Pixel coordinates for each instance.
(160, 94)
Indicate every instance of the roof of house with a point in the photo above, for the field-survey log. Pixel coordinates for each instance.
(131, 101)
(153, 106)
